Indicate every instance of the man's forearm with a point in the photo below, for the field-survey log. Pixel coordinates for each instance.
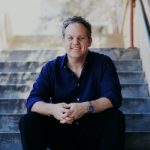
(42, 108)
(101, 104)
(47, 108)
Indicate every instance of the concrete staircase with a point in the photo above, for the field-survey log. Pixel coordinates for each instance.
(18, 70)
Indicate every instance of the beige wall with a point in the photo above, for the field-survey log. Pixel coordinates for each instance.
(24, 23)
(3, 41)
(126, 24)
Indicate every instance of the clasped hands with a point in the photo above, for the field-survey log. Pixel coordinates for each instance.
(67, 113)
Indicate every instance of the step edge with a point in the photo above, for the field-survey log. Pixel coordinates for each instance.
(7, 61)
(29, 72)
(123, 84)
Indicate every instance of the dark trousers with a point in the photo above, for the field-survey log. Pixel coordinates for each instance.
(101, 131)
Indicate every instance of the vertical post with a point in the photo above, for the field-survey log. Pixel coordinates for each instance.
(131, 24)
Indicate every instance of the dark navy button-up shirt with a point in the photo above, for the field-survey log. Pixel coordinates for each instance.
(56, 83)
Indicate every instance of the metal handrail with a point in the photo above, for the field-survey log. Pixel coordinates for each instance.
(124, 15)
(147, 21)
(131, 20)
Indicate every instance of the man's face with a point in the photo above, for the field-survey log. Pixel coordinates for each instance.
(76, 40)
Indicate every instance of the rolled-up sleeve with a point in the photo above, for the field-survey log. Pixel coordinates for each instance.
(109, 84)
(41, 89)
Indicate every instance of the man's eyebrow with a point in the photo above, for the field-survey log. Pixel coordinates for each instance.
(68, 35)
(83, 35)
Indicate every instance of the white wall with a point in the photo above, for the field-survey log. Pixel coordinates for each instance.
(141, 38)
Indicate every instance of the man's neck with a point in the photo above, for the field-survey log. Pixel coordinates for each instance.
(76, 65)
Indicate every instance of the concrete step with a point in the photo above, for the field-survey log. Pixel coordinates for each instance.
(29, 77)
(138, 122)
(134, 122)
(22, 91)
(129, 105)
(119, 53)
(14, 91)
(9, 122)
(122, 65)
(131, 77)
(12, 106)
(128, 65)
(137, 141)
(10, 141)
(45, 55)
(136, 105)
(18, 78)
(134, 141)
(135, 90)
(21, 66)
(29, 55)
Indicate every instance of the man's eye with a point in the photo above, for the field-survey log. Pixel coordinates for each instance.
(81, 38)
(69, 38)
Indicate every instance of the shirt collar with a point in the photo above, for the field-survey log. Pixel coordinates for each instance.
(88, 57)
(65, 59)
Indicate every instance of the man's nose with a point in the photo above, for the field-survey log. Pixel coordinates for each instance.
(75, 41)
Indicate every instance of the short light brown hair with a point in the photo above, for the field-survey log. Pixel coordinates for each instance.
(77, 19)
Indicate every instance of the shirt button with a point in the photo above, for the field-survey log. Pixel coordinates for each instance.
(64, 67)
(78, 99)
(78, 84)
(77, 123)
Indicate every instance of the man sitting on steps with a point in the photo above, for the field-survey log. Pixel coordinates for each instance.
(74, 102)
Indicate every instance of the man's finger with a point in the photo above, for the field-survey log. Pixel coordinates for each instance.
(65, 105)
(66, 120)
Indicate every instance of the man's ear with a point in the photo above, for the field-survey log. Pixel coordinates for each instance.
(63, 39)
(90, 42)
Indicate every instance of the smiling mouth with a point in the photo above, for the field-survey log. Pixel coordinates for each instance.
(75, 48)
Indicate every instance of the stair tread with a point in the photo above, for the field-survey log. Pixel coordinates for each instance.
(134, 141)
(134, 122)
(128, 132)
(43, 61)
(20, 114)
(114, 53)
(29, 72)
(20, 84)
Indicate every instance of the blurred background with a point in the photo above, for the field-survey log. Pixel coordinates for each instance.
(36, 24)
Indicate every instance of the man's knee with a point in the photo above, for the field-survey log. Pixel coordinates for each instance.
(112, 113)
(113, 119)
(30, 120)
(33, 131)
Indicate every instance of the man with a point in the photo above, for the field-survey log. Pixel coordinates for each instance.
(74, 102)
